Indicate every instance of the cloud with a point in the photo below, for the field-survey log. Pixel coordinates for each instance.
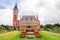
(6, 16)
(47, 10)
(58, 6)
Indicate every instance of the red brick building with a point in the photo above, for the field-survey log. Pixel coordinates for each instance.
(25, 21)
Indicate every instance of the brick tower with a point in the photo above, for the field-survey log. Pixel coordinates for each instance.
(15, 16)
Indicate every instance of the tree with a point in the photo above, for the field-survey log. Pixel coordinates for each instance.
(14, 27)
(41, 26)
(48, 26)
(58, 25)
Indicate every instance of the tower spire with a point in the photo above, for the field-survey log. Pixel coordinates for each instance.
(15, 6)
(37, 17)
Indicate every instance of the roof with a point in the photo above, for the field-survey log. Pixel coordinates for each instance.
(28, 17)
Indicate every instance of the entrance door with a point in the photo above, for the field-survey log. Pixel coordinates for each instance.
(29, 27)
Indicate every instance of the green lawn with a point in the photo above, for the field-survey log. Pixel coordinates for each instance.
(15, 36)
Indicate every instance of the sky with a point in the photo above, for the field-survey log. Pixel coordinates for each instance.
(48, 11)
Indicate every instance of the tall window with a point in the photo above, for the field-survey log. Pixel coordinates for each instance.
(31, 18)
(26, 18)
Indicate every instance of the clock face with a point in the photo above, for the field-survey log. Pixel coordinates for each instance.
(15, 12)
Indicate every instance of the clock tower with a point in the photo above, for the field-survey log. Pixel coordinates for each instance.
(15, 16)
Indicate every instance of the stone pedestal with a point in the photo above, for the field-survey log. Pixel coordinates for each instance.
(30, 35)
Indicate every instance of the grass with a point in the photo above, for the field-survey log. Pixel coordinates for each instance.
(50, 36)
(15, 36)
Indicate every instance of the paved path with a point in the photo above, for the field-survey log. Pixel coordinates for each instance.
(51, 33)
(7, 33)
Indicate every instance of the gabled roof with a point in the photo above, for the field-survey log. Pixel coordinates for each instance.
(28, 17)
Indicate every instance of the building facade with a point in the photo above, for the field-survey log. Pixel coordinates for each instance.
(25, 21)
